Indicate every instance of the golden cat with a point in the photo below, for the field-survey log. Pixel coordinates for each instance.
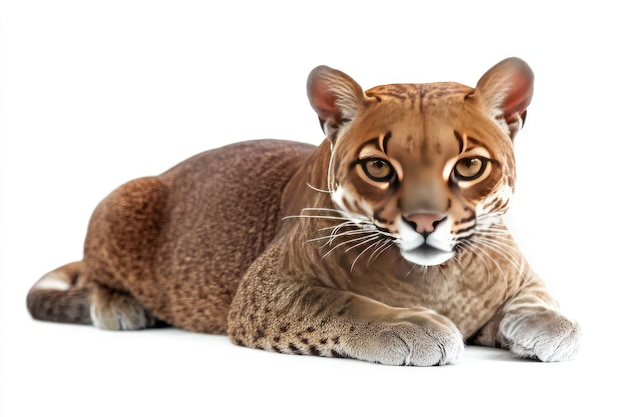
(386, 243)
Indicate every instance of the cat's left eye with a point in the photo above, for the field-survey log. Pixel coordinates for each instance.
(378, 169)
(468, 169)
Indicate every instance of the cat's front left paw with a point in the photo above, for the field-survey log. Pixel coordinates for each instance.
(547, 335)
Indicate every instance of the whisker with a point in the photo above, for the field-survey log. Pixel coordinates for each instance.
(387, 243)
(363, 251)
(306, 216)
(324, 209)
(488, 256)
(336, 235)
(501, 246)
(483, 255)
(424, 271)
(363, 242)
(442, 272)
(317, 189)
(348, 223)
(347, 242)
(484, 244)
(478, 256)
(340, 225)
(410, 271)
(359, 231)
(502, 243)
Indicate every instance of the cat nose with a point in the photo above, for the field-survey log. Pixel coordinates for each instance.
(425, 223)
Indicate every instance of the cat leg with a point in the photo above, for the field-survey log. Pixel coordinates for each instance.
(299, 318)
(530, 325)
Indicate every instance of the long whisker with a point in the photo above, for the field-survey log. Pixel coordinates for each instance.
(481, 253)
(377, 242)
(312, 216)
(477, 256)
(324, 209)
(347, 242)
(484, 255)
(336, 235)
(317, 189)
(499, 245)
(363, 242)
(478, 248)
(499, 241)
(355, 231)
(387, 243)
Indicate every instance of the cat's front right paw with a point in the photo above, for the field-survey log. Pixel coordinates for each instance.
(420, 340)
(427, 346)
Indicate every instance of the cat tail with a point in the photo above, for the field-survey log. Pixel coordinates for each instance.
(60, 297)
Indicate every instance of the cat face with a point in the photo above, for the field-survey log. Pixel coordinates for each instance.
(428, 165)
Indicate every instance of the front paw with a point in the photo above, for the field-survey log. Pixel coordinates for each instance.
(422, 346)
(548, 336)
(422, 339)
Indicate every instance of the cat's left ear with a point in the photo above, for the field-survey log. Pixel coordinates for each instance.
(505, 92)
(335, 97)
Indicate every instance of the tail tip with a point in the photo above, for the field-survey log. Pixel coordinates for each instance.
(53, 281)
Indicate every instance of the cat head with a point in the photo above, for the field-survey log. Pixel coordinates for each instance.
(430, 165)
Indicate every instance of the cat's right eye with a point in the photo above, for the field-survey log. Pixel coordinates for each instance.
(378, 169)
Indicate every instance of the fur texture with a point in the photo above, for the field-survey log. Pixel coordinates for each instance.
(385, 243)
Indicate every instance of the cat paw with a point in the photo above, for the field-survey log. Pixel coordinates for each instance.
(547, 336)
(114, 310)
(417, 341)
(431, 346)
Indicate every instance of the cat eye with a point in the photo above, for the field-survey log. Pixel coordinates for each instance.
(468, 169)
(378, 169)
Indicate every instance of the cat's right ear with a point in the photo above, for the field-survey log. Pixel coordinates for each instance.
(335, 97)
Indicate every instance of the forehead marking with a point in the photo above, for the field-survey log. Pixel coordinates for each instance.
(383, 142)
(461, 141)
(371, 142)
(380, 143)
(475, 142)
(465, 142)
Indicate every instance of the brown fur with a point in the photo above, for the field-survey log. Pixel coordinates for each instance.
(247, 239)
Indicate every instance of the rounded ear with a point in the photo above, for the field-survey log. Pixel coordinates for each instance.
(335, 97)
(505, 91)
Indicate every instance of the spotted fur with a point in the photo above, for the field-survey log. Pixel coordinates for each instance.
(385, 243)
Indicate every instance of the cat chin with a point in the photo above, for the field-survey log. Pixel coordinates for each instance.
(426, 255)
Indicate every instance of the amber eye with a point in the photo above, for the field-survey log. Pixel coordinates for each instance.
(378, 169)
(468, 169)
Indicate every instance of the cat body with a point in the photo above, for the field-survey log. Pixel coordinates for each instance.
(385, 243)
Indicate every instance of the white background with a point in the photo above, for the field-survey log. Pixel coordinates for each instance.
(97, 93)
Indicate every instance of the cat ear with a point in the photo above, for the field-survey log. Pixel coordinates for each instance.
(335, 97)
(505, 92)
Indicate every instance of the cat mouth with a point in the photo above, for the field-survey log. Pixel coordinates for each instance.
(426, 255)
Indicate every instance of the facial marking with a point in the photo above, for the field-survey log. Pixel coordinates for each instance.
(439, 171)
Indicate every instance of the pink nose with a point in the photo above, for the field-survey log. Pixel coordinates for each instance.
(425, 222)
